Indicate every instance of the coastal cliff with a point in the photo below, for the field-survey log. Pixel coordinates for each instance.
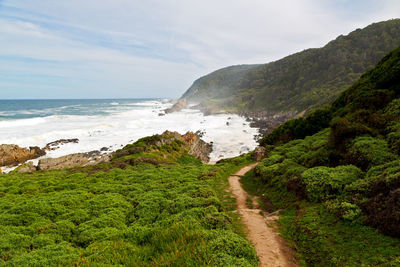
(300, 82)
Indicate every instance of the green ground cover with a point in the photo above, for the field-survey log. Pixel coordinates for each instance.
(142, 213)
(337, 175)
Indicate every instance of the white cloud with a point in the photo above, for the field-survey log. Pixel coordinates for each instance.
(157, 47)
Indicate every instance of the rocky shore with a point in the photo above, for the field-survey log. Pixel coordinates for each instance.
(266, 121)
(263, 120)
(13, 155)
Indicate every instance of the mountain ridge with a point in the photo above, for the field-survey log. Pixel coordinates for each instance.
(298, 82)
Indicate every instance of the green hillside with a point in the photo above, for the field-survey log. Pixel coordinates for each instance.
(152, 205)
(336, 173)
(313, 77)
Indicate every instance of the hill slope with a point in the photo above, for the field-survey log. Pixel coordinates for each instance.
(337, 174)
(313, 77)
(152, 205)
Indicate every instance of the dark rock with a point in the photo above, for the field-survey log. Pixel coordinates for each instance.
(200, 133)
(37, 151)
(266, 121)
(56, 144)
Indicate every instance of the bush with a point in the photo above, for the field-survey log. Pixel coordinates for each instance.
(143, 215)
(344, 130)
(324, 183)
(366, 152)
(280, 172)
(343, 209)
(393, 137)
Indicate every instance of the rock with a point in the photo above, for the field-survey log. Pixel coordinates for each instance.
(192, 144)
(259, 153)
(11, 155)
(200, 133)
(26, 168)
(198, 148)
(68, 161)
(56, 144)
(73, 160)
(178, 106)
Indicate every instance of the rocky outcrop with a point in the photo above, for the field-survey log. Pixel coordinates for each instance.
(197, 147)
(56, 144)
(73, 160)
(178, 106)
(259, 153)
(191, 144)
(266, 121)
(12, 155)
(26, 168)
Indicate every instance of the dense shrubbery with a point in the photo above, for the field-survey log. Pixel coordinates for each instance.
(342, 178)
(142, 215)
(323, 183)
(366, 152)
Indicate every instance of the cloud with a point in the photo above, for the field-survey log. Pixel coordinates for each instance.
(132, 48)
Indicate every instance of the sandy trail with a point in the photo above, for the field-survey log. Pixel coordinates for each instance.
(271, 249)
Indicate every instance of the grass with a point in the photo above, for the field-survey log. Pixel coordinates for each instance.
(143, 215)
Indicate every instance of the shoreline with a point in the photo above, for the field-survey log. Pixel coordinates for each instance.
(230, 133)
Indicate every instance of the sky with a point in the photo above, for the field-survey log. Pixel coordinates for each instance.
(157, 48)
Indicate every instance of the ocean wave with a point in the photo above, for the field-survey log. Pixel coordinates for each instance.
(123, 126)
(22, 123)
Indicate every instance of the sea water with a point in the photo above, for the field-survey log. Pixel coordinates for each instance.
(113, 123)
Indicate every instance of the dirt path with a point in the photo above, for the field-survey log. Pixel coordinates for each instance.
(271, 248)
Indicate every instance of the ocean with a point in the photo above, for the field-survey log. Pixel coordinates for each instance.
(113, 123)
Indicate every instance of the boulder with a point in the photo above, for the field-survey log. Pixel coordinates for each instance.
(197, 147)
(12, 155)
(73, 160)
(26, 168)
(259, 153)
(178, 106)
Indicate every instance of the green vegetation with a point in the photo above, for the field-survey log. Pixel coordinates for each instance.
(311, 78)
(337, 175)
(152, 205)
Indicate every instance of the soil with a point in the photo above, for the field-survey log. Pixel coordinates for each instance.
(271, 249)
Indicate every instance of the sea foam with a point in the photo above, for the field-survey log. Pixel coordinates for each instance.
(123, 124)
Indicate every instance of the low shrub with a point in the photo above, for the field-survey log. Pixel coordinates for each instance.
(323, 183)
(366, 152)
